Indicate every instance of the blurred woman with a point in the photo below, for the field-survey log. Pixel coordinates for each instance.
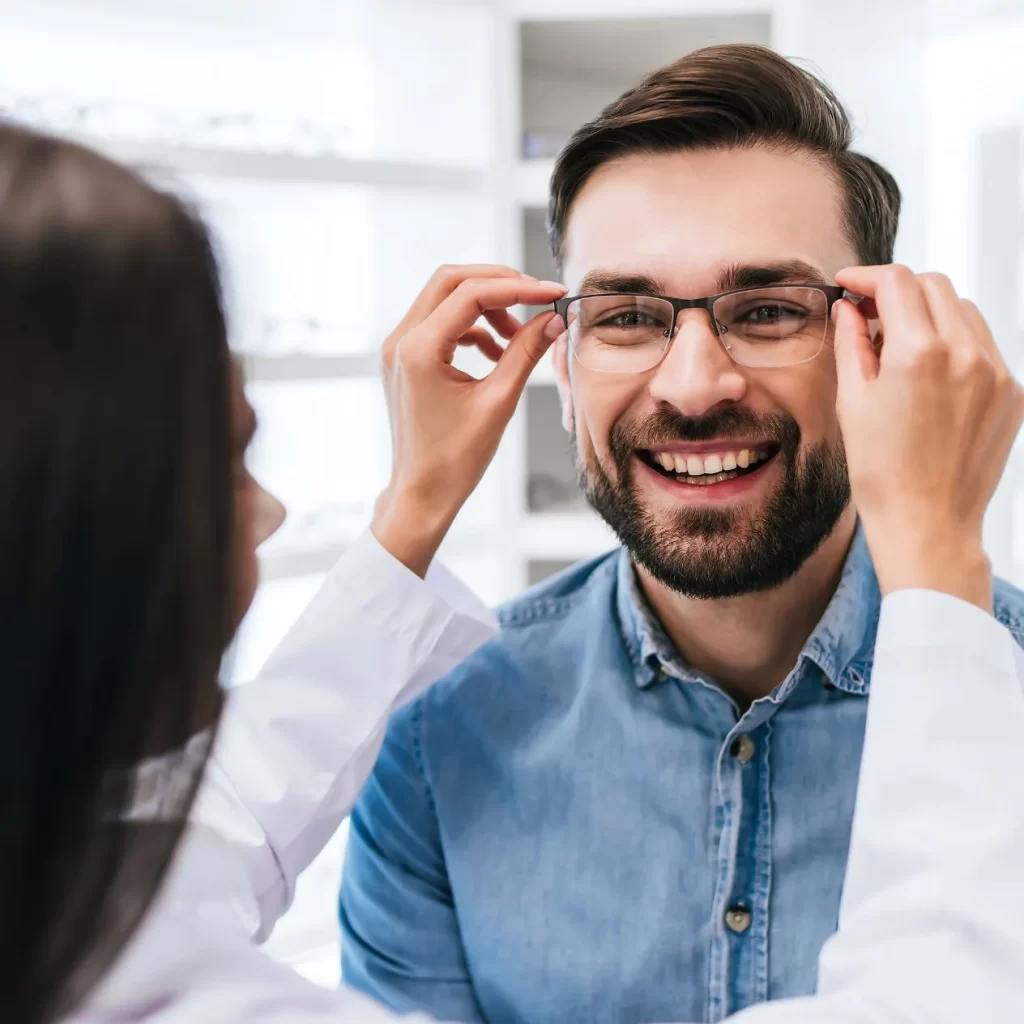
(122, 569)
(128, 529)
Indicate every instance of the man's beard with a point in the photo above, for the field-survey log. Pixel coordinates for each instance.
(710, 553)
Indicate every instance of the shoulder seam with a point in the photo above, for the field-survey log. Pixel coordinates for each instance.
(546, 608)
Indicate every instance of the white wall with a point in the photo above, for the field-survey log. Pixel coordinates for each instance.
(975, 229)
(925, 81)
(873, 54)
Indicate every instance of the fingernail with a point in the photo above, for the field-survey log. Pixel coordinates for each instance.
(554, 284)
(554, 328)
(835, 311)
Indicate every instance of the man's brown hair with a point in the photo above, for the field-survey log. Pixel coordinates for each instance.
(725, 96)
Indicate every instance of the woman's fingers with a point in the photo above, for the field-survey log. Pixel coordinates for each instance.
(437, 336)
(899, 302)
(482, 339)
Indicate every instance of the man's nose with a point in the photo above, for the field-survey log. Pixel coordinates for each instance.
(697, 374)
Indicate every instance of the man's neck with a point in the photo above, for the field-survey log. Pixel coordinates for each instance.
(749, 644)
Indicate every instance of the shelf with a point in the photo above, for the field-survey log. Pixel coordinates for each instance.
(273, 369)
(544, 536)
(576, 59)
(263, 369)
(240, 163)
(564, 536)
(287, 563)
(532, 180)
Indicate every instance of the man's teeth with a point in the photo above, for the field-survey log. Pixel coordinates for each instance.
(709, 465)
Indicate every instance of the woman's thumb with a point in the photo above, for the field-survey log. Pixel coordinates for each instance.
(524, 351)
(856, 362)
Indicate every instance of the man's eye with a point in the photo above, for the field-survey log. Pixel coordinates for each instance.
(634, 318)
(769, 314)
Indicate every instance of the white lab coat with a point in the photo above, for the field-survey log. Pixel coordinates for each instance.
(932, 909)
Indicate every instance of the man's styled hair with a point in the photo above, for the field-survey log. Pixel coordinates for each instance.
(733, 96)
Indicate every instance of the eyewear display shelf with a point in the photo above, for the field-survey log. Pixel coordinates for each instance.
(555, 64)
(564, 61)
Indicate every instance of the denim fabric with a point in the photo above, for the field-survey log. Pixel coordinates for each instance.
(559, 830)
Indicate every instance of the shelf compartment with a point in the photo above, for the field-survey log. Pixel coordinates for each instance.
(571, 68)
(564, 536)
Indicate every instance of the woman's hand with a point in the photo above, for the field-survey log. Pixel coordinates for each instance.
(445, 424)
(928, 423)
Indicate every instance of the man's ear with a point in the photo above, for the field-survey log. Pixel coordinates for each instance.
(560, 357)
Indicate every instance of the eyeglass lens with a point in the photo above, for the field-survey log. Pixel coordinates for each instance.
(772, 326)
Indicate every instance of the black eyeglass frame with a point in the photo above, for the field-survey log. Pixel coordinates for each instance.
(833, 293)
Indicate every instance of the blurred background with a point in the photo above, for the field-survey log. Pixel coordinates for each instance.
(342, 149)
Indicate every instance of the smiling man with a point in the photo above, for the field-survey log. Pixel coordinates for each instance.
(635, 804)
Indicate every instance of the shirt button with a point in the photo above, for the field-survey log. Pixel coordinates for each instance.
(743, 748)
(737, 917)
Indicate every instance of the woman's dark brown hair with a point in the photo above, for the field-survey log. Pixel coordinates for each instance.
(733, 96)
(116, 541)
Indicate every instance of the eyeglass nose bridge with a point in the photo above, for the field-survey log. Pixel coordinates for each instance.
(707, 304)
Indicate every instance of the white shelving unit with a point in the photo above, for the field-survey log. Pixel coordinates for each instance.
(333, 187)
(566, 60)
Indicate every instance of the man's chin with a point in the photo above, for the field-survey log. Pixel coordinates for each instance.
(701, 532)
(715, 563)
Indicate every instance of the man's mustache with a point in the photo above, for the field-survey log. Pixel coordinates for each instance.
(667, 426)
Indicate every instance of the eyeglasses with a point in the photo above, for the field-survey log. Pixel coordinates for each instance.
(776, 325)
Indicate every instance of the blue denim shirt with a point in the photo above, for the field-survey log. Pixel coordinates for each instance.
(575, 826)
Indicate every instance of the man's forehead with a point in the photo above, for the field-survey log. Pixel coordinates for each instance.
(684, 218)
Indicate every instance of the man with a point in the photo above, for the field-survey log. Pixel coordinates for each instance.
(635, 804)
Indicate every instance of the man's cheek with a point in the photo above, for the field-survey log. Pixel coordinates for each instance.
(583, 438)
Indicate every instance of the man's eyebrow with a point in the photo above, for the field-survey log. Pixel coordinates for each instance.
(735, 275)
(598, 281)
(742, 275)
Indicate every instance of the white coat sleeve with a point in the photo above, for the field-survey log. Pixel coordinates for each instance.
(294, 749)
(297, 743)
(930, 923)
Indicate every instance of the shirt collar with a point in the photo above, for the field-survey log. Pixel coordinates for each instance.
(842, 644)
